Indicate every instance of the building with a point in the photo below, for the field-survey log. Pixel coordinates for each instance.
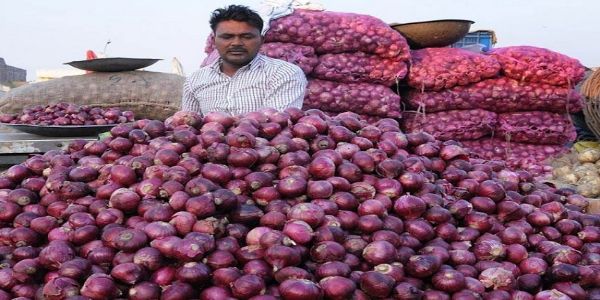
(10, 73)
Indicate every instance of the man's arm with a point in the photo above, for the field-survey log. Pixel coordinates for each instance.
(188, 101)
(289, 89)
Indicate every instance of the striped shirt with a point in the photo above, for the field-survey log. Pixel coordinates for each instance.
(264, 82)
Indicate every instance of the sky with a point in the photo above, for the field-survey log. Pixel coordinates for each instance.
(42, 34)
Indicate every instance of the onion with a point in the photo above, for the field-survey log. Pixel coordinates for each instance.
(333, 268)
(299, 231)
(410, 207)
(99, 286)
(295, 289)
(178, 290)
(193, 273)
(60, 288)
(144, 290)
(247, 286)
(310, 213)
(448, 281)
(336, 287)
(497, 278)
(405, 290)
(422, 266)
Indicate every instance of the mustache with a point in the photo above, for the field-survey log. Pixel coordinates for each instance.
(236, 49)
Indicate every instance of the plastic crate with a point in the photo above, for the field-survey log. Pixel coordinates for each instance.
(486, 38)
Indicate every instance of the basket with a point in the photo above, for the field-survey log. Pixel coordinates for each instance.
(590, 90)
(436, 33)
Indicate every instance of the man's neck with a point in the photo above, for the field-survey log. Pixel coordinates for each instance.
(229, 69)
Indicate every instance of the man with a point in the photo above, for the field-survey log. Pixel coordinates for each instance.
(242, 80)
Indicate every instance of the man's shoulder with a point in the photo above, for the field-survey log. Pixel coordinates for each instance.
(202, 72)
(280, 66)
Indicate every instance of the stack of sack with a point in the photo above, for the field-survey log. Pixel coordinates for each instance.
(360, 57)
(520, 116)
(351, 60)
(437, 71)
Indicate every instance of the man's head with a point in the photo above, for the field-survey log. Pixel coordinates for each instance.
(237, 34)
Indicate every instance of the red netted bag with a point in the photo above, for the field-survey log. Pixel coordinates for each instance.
(518, 156)
(453, 124)
(361, 98)
(335, 32)
(533, 64)
(536, 127)
(359, 67)
(499, 95)
(442, 68)
(302, 56)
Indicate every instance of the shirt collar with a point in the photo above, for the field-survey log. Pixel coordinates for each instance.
(256, 63)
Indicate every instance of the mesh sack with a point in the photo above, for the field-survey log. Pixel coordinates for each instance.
(453, 124)
(536, 127)
(539, 65)
(335, 32)
(302, 56)
(359, 67)
(442, 68)
(518, 156)
(499, 95)
(361, 98)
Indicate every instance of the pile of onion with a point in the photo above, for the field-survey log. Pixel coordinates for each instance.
(66, 114)
(287, 205)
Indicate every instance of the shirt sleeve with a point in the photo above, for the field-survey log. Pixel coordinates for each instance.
(188, 101)
(288, 89)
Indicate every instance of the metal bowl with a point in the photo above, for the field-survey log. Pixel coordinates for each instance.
(113, 64)
(62, 131)
(436, 33)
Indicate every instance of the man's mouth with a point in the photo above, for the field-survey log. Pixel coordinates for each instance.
(236, 51)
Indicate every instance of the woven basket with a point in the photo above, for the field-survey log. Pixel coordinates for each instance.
(590, 89)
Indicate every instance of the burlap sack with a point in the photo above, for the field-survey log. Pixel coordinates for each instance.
(149, 95)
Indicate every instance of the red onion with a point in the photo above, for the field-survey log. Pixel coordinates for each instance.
(410, 207)
(99, 286)
(497, 278)
(405, 290)
(247, 286)
(144, 290)
(60, 288)
(448, 281)
(422, 266)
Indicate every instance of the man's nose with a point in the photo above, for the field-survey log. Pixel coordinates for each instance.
(237, 41)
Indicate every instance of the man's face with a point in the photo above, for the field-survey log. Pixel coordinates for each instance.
(237, 42)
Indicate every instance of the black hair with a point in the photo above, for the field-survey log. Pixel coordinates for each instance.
(238, 13)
